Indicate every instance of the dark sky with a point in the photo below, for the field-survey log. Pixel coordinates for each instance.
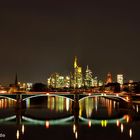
(38, 38)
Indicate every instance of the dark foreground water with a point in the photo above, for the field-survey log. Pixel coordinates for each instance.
(55, 118)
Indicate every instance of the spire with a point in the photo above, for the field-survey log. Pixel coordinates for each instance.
(75, 62)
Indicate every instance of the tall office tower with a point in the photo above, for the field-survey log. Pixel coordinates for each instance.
(95, 81)
(67, 82)
(88, 78)
(56, 81)
(109, 78)
(120, 79)
(78, 77)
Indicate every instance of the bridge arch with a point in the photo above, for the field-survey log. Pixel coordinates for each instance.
(104, 95)
(6, 97)
(51, 95)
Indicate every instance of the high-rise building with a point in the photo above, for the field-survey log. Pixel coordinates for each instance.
(88, 78)
(95, 81)
(78, 77)
(109, 78)
(56, 81)
(120, 79)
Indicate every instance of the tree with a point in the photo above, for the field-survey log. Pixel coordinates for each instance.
(39, 87)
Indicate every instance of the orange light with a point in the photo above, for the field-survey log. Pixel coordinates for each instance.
(47, 124)
(118, 123)
(89, 123)
(127, 98)
(127, 118)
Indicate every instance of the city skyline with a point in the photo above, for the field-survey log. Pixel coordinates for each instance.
(83, 72)
(37, 39)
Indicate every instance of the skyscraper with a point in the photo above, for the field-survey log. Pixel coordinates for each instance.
(88, 78)
(109, 78)
(120, 79)
(78, 77)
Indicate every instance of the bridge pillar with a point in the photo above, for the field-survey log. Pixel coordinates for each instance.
(76, 115)
(19, 102)
(76, 102)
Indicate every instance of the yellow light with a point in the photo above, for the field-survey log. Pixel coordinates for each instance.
(103, 123)
(75, 62)
(79, 69)
(127, 98)
(127, 118)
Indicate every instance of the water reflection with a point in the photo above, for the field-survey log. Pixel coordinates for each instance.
(53, 112)
(4, 103)
(130, 133)
(90, 106)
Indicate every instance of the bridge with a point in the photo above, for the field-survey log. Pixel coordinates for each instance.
(75, 96)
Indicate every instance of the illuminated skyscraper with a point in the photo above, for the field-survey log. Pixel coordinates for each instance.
(120, 79)
(88, 78)
(56, 81)
(59, 81)
(109, 78)
(95, 81)
(78, 77)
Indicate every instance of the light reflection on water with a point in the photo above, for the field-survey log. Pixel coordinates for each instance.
(94, 114)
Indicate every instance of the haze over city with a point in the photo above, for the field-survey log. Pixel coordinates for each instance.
(37, 39)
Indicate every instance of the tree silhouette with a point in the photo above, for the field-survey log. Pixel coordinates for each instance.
(39, 87)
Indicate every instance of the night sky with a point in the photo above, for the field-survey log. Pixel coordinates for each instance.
(38, 38)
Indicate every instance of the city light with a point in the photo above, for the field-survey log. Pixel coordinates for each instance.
(122, 128)
(130, 133)
(104, 123)
(89, 123)
(47, 124)
(118, 123)
(23, 129)
(74, 128)
(17, 134)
